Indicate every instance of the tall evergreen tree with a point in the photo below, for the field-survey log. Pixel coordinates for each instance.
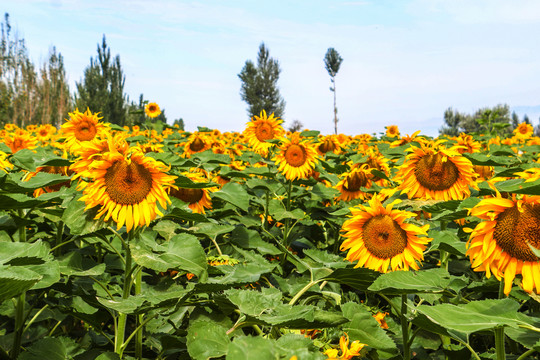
(259, 85)
(332, 62)
(102, 89)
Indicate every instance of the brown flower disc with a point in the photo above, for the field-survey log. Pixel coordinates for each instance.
(434, 174)
(85, 130)
(383, 237)
(189, 196)
(295, 155)
(327, 146)
(128, 183)
(196, 145)
(264, 132)
(355, 181)
(515, 230)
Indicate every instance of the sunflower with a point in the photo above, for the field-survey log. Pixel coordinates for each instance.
(406, 139)
(296, 158)
(197, 199)
(392, 131)
(466, 144)
(347, 352)
(152, 110)
(262, 128)
(380, 239)
(20, 140)
(501, 245)
(523, 131)
(4, 163)
(436, 173)
(127, 187)
(351, 183)
(375, 160)
(328, 143)
(45, 132)
(380, 319)
(196, 143)
(82, 127)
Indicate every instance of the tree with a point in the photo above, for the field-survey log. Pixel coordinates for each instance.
(259, 85)
(332, 62)
(296, 126)
(180, 123)
(102, 89)
(515, 120)
(495, 120)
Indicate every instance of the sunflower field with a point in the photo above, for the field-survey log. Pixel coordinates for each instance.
(156, 243)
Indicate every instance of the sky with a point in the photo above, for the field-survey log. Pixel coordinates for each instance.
(404, 61)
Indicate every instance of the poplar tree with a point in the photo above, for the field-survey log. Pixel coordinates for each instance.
(259, 85)
(332, 62)
(102, 89)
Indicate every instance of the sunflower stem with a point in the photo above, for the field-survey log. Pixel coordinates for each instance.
(21, 301)
(122, 317)
(303, 291)
(140, 318)
(265, 220)
(59, 235)
(499, 343)
(405, 328)
(526, 354)
(287, 222)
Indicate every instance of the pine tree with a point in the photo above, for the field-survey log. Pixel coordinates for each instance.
(102, 89)
(259, 85)
(332, 62)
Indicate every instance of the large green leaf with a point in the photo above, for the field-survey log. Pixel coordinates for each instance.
(251, 239)
(234, 194)
(359, 279)
(51, 349)
(277, 211)
(206, 340)
(248, 348)
(459, 321)
(25, 253)
(363, 327)
(74, 264)
(41, 179)
(413, 282)
(182, 251)
(81, 221)
(14, 280)
(18, 201)
(447, 240)
(252, 302)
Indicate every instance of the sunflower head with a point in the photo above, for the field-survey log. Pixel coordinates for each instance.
(198, 199)
(262, 128)
(296, 157)
(152, 110)
(82, 128)
(392, 131)
(523, 131)
(379, 238)
(352, 182)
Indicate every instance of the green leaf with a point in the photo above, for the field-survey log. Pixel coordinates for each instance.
(108, 356)
(235, 194)
(249, 347)
(182, 251)
(25, 253)
(38, 181)
(359, 279)
(310, 133)
(459, 321)
(278, 212)
(18, 201)
(207, 340)
(51, 349)
(125, 306)
(412, 282)
(252, 302)
(212, 230)
(324, 192)
(15, 280)
(50, 272)
(73, 264)
(447, 240)
(250, 239)
(365, 328)
(79, 221)
(489, 160)
(209, 157)
(299, 345)
(166, 228)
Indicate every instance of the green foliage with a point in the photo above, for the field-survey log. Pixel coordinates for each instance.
(102, 88)
(259, 85)
(492, 121)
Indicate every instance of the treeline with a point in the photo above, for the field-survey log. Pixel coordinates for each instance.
(31, 94)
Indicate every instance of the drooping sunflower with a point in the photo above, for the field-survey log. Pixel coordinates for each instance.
(197, 142)
(127, 187)
(197, 199)
(62, 170)
(152, 110)
(436, 173)
(328, 143)
(262, 128)
(500, 245)
(351, 183)
(82, 127)
(296, 157)
(380, 239)
(376, 160)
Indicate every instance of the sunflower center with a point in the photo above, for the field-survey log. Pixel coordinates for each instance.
(355, 181)
(295, 155)
(485, 172)
(128, 183)
(189, 196)
(383, 237)
(515, 230)
(196, 145)
(85, 131)
(436, 173)
(152, 108)
(327, 146)
(264, 132)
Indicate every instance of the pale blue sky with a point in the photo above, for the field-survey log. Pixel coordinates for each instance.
(404, 63)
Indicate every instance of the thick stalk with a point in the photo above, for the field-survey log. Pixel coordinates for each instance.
(287, 222)
(140, 318)
(499, 331)
(19, 325)
(303, 291)
(122, 318)
(59, 235)
(405, 328)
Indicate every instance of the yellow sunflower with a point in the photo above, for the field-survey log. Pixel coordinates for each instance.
(436, 173)
(351, 183)
(296, 158)
(376, 160)
(82, 127)
(62, 170)
(523, 131)
(197, 199)
(197, 142)
(20, 140)
(152, 110)
(380, 239)
(500, 245)
(4, 163)
(128, 188)
(262, 128)
(328, 143)
(347, 352)
(392, 131)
